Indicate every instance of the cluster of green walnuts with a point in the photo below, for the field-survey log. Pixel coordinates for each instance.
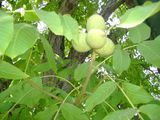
(95, 38)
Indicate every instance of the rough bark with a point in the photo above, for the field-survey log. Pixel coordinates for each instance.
(131, 3)
(111, 6)
(0, 4)
(68, 6)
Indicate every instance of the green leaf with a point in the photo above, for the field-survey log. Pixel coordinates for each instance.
(81, 71)
(100, 112)
(71, 112)
(24, 38)
(47, 114)
(60, 25)
(9, 71)
(121, 60)
(126, 114)
(150, 51)
(138, 14)
(43, 67)
(100, 95)
(31, 16)
(24, 93)
(6, 31)
(139, 33)
(6, 93)
(136, 94)
(152, 110)
(66, 73)
(5, 106)
(49, 53)
(70, 26)
(52, 20)
(29, 95)
(116, 98)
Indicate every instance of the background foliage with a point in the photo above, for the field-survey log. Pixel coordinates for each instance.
(43, 77)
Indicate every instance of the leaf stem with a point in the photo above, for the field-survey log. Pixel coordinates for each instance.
(111, 56)
(61, 79)
(84, 87)
(109, 106)
(129, 47)
(65, 101)
(102, 62)
(19, 11)
(130, 102)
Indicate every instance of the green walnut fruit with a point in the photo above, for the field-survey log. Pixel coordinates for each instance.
(96, 22)
(81, 45)
(96, 38)
(107, 49)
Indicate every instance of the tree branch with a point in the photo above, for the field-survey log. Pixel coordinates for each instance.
(111, 6)
(44, 91)
(0, 4)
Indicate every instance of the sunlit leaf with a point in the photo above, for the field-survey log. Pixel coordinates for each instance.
(138, 14)
(139, 33)
(121, 60)
(24, 38)
(9, 71)
(70, 27)
(150, 50)
(30, 16)
(60, 24)
(52, 20)
(6, 31)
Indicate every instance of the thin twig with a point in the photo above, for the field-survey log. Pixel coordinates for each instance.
(44, 91)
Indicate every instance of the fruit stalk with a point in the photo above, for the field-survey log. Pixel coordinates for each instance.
(84, 87)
